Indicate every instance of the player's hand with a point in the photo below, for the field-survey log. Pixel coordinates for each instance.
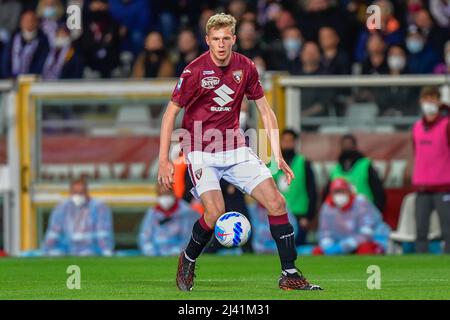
(165, 174)
(286, 169)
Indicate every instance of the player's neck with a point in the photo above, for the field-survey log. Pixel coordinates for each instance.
(221, 63)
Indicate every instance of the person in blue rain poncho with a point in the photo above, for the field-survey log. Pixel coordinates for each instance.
(79, 226)
(262, 240)
(166, 228)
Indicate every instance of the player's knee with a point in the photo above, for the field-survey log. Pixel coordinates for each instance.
(277, 204)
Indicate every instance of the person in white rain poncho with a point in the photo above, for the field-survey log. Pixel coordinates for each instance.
(79, 226)
(349, 223)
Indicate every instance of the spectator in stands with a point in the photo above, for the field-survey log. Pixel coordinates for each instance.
(261, 238)
(247, 40)
(301, 194)
(188, 49)
(268, 14)
(358, 170)
(250, 16)
(166, 228)
(440, 9)
(444, 68)
(349, 223)
(334, 59)
(154, 61)
(375, 63)
(390, 31)
(27, 50)
(315, 102)
(431, 173)
(289, 57)
(134, 17)
(63, 60)
(396, 61)
(9, 19)
(319, 13)
(434, 35)
(237, 8)
(100, 41)
(285, 20)
(395, 100)
(422, 58)
(80, 225)
(310, 60)
(50, 13)
(278, 20)
(413, 6)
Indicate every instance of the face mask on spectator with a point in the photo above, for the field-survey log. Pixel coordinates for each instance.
(447, 59)
(166, 201)
(340, 199)
(429, 108)
(29, 35)
(414, 45)
(396, 62)
(292, 45)
(78, 199)
(49, 12)
(61, 42)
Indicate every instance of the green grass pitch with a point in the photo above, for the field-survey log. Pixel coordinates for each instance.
(225, 277)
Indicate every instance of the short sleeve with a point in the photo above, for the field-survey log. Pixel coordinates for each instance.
(254, 89)
(184, 90)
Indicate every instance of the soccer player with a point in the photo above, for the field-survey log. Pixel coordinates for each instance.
(210, 90)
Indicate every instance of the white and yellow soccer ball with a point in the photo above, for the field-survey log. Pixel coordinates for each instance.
(232, 229)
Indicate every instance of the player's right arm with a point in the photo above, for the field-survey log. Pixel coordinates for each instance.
(166, 168)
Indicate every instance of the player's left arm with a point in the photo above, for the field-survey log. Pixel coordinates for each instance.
(271, 126)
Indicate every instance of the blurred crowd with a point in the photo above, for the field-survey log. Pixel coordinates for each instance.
(147, 38)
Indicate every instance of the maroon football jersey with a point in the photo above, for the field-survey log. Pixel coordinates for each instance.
(211, 97)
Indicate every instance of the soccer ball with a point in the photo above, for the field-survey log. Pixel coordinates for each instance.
(232, 229)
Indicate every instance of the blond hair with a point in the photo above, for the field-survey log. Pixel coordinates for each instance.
(221, 20)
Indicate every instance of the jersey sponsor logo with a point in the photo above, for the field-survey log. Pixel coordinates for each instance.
(220, 109)
(208, 72)
(198, 174)
(237, 76)
(223, 93)
(210, 82)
